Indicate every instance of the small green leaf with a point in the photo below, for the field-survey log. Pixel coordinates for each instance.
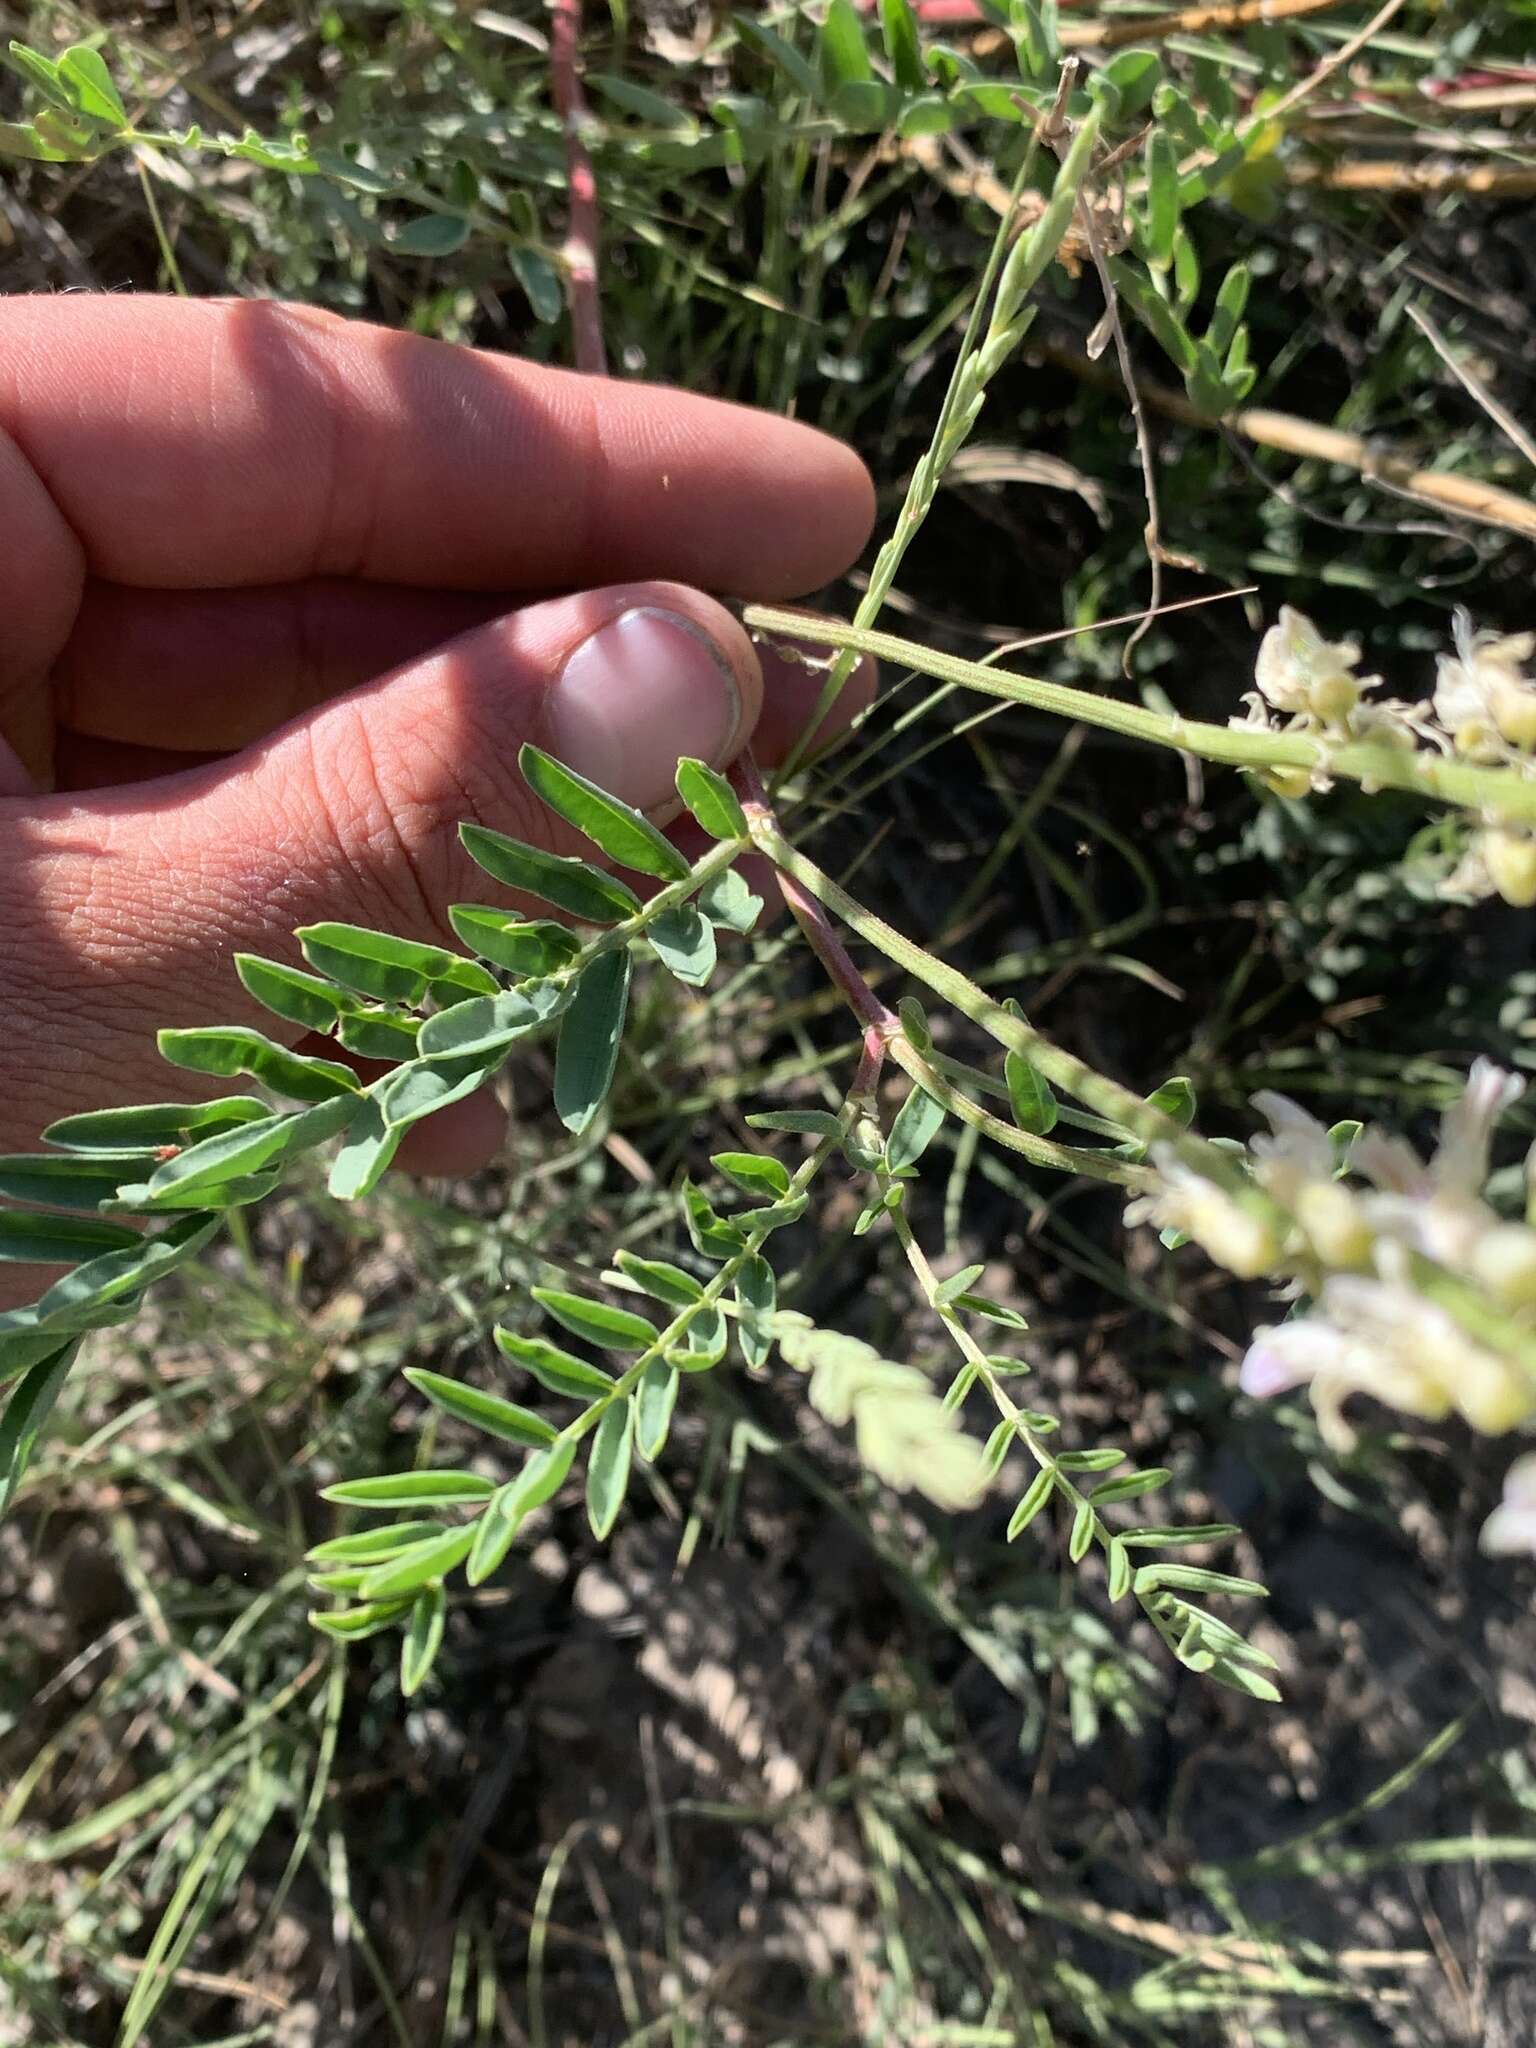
(42, 73)
(496, 1530)
(590, 1034)
(571, 885)
(1174, 1538)
(608, 1468)
(28, 1408)
(1131, 1486)
(485, 1411)
(490, 1024)
(916, 1124)
(757, 1298)
(614, 827)
(899, 25)
(419, 1565)
(989, 1310)
(150, 1125)
(86, 75)
(713, 1237)
(1029, 1096)
(388, 969)
(711, 799)
(410, 1490)
(1100, 1460)
(373, 1546)
(1081, 1540)
(595, 1322)
(810, 1123)
(424, 1087)
(1189, 1578)
(654, 1399)
(659, 1277)
(353, 1624)
(35, 1239)
(65, 1183)
(288, 992)
(1036, 1494)
(683, 940)
(423, 1638)
(233, 1049)
(429, 234)
(729, 902)
(755, 1173)
(1163, 207)
(540, 282)
(704, 1341)
(531, 946)
(215, 1161)
(345, 172)
(780, 51)
(957, 1284)
(376, 1033)
(914, 1022)
(841, 56)
(78, 1300)
(1119, 1570)
(552, 1367)
(649, 107)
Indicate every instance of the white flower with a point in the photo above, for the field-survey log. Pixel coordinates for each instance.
(1383, 1339)
(1512, 1525)
(1481, 696)
(1298, 1152)
(1298, 671)
(1438, 1209)
(1241, 1239)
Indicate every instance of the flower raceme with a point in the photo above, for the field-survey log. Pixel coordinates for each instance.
(1483, 711)
(1417, 1292)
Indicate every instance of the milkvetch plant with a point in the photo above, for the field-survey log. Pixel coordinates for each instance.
(1394, 1278)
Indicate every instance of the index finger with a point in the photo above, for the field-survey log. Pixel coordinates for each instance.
(200, 444)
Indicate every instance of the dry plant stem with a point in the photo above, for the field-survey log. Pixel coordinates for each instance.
(1499, 413)
(1496, 181)
(1464, 496)
(1186, 21)
(581, 235)
(1336, 60)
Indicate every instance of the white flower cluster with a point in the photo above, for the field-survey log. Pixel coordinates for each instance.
(1419, 1294)
(1483, 709)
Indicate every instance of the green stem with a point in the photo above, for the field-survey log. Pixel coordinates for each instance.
(1500, 792)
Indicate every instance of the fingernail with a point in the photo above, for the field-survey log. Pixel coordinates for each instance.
(644, 689)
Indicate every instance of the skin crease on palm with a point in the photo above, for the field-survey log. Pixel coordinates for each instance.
(281, 595)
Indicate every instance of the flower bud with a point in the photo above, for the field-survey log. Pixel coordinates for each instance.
(864, 1145)
(1334, 696)
(1504, 1260)
(1235, 1237)
(1513, 703)
(1291, 782)
(1490, 1392)
(1334, 1225)
(1510, 858)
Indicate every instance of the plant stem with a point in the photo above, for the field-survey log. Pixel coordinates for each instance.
(581, 235)
(1501, 793)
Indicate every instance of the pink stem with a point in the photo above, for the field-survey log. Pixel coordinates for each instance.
(880, 1024)
(581, 233)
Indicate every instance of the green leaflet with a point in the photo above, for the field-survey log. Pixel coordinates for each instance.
(149, 1125)
(683, 940)
(590, 1033)
(1029, 1096)
(757, 1298)
(234, 1049)
(660, 1278)
(214, 1161)
(916, 1124)
(755, 1173)
(711, 799)
(419, 1564)
(64, 1182)
(654, 1399)
(608, 1468)
(611, 1329)
(540, 1480)
(524, 946)
(423, 1638)
(410, 1490)
(426, 1086)
(372, 1546)
(485, 1411)
(613, 827)
(36, 1239)
(387, 969)
(489, 1024)
(552, 1367)
(364, 1154)
(728, 901)
(571, 885)
(25, 1413)
(288, 992)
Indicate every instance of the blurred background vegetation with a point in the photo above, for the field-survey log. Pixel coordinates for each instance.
(792, 1761)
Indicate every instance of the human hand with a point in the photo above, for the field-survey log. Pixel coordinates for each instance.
(280, 598)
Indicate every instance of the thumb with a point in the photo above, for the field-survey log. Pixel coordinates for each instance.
(129, 905)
